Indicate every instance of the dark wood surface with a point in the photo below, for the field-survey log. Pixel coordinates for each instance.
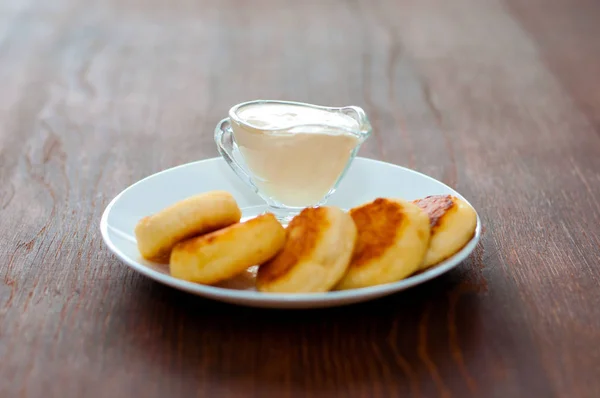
(499, 99)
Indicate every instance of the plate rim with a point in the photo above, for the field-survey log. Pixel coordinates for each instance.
(216, 292)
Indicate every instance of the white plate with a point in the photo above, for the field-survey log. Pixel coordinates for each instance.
(366, 180)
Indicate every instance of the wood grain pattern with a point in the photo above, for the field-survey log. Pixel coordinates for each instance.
(498, 98)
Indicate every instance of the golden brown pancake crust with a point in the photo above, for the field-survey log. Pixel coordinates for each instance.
(393, 237)
(435, 206)
(377, 223)
(302, 235)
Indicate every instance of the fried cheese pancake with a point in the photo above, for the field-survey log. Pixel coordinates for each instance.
(157, 234)
(223, 254)
(393, 236)
(453, 224)
(318, 248)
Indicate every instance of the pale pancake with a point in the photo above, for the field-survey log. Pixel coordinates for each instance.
(157, 234)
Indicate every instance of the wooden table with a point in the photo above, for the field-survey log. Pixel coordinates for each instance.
(499, 99)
